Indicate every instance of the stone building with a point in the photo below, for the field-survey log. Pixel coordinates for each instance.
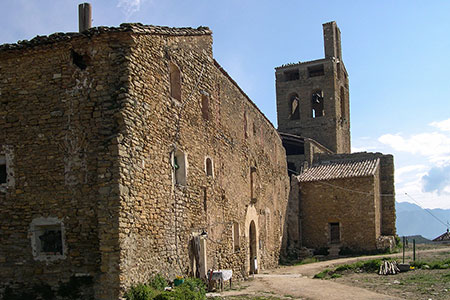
(338, 200)
(129, 151)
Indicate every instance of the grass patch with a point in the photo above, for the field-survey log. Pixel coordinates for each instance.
(323, 274)
(368, 266)
(308, 260)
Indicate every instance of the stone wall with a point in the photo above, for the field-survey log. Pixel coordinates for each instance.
(95, 134)
(160, 218)
(332, 129)
(335, 201)
(387, 184)
(58, 115)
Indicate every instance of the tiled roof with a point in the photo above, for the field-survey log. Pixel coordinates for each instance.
(443, 237)
(340, 169)
(125, 27)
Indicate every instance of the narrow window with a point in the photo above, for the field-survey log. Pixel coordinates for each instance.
(179, 167)
(209, 167)
(245, 125)
(294, 105)
(342, 100)
(291, 75)
(205, 199)
(3, 173)
(175, 81)
(236, 237)
(335, 235)
(316, 71)
(317, 104)
(205, 107)
(338, 70)
(252, 184)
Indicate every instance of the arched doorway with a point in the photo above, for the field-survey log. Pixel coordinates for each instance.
(253, 248)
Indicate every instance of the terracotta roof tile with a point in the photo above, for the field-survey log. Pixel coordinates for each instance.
(340, 169)
(443, 237)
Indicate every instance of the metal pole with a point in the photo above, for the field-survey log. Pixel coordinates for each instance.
(84, 16)
(404, 239)
(414, 250)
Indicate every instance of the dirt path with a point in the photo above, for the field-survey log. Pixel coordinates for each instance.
(296, 282)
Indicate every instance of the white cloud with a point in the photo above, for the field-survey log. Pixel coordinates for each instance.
(407, 173)
(442, 125)
(435, 146)
(130, 7)
(426, 180)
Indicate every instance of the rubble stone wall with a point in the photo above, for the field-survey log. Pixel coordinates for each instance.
(387, 184)
(335, 201)
(58, 117)
(159, 218)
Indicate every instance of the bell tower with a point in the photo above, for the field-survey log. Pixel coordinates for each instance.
(313, 97)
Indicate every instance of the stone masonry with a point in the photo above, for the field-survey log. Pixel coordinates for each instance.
(330, 206)
(128, 144)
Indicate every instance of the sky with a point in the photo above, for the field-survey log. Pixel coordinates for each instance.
(396, 54)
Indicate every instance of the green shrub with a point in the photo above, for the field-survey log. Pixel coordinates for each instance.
(344, 268)
(322, 274)
(141, 292)
(158, 282)
(371, 265)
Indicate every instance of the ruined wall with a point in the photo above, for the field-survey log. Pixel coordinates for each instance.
(58, 100)
(159, 217)
(325, 202)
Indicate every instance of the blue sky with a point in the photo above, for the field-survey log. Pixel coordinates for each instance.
(396, 54)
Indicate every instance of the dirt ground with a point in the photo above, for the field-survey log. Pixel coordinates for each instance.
(295, 282)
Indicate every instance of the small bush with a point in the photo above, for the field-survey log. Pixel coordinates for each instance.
(158, 282)
(322, 274)
(344, 268)
(141, 292)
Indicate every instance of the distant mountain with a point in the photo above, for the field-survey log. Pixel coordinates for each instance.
(419, 239)
(413, 220)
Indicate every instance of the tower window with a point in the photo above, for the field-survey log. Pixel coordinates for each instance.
(179, 167)
(291, 75)
(294, 105)
(175, 81)
(317, 104)
(316, 71)
(209, 167)
(338, 70)
(205, 107)
(342, 100)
